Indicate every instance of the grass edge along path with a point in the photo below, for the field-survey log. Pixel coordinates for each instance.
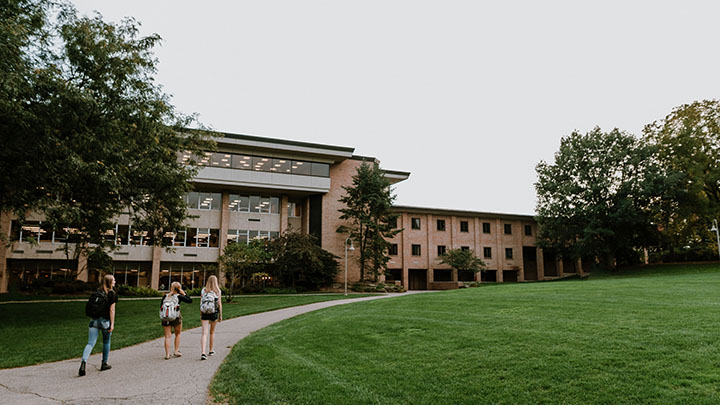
(34, 333)
(649, 336)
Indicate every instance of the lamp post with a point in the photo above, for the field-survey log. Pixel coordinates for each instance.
(717, 234)
(346, 266)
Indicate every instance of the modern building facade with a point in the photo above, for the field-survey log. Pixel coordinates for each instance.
(260, 187)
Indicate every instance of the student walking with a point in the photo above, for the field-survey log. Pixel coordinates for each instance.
(101, 309)
(172, 317)
(210, 313)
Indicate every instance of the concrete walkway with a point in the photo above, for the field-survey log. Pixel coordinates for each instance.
(140, 374)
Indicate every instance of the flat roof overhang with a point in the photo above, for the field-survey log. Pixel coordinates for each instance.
(396, 176)
(271, 146)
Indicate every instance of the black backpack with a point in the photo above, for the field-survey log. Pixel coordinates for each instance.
(96, 305)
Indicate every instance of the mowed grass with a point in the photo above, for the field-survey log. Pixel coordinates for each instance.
(649, 337)
(32, 333)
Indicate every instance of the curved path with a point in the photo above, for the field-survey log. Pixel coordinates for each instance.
(140, 374)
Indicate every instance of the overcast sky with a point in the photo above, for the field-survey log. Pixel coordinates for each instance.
(468, 96)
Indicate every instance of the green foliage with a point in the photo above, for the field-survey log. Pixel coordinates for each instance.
(58, 286)
(377, 288)
(368, 202)
(462, 260)
(195, 292)
(299, 262)
(239, 261)
(131, 291)
(688, 143)
(86, 131)
(597, 199)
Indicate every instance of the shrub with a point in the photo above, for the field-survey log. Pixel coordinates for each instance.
(130, 291)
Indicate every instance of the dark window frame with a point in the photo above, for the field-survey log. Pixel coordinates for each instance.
(464, 226)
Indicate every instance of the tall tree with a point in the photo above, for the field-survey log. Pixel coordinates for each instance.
(688, 143)
(86, 131)
(367, 208)
(298, 261)
(595, 199)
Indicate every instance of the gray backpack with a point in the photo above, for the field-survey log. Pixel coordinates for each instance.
(170, 308)
(208, 302)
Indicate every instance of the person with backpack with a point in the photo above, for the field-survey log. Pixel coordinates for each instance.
(210, 313)
(171, 317)
(101, 310)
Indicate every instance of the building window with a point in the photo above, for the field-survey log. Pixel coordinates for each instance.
(508, 253)
(416, 250)
(392, 222)
(415, 223)
(441, 250)
(393, 249)
(440, 224)
(203, 201)
(294, 210)
(487, 252)
(465, 248)
(486, 227)
(508, 229)
(442, 275)
(464, 227)
(528, 230)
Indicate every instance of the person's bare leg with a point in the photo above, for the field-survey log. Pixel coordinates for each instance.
(168, 337)
(212, 335)
(178, 331)
(203, 337)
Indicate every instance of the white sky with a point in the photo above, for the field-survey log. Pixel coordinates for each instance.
(466, 95)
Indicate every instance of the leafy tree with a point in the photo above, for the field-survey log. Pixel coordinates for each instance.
(86, 131)
(240, 261)
(298, 260)
(367, 207)
(596, 199)
(462, 260)
(688, 143)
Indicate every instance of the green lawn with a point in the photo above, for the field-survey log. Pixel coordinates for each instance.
(651, 336)
(32, 333)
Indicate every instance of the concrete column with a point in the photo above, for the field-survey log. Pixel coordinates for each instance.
(224, 221)
(5, 224)
(540, 264)
(283, 213)
(155, 270)
(306, 216)
(83, 271)
(224, 227)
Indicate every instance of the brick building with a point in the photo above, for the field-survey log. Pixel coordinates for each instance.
(259, 187)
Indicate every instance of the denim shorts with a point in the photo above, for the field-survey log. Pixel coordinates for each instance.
(100, 323)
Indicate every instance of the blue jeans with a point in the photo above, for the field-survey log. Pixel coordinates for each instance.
(95, 327)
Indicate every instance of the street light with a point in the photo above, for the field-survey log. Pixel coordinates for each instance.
(717, 234)
(346, 267)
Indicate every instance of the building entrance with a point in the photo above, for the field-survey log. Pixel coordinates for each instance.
(417, 279)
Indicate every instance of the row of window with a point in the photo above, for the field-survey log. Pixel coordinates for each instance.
(125, 235)
(257, 163)
(416, 250)
(465, 227)
(240, 203)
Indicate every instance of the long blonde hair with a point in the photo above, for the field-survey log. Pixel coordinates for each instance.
(107, 282)
(175, 287)
(212, 285)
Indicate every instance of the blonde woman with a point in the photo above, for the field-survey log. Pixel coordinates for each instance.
(173, 298)
(210, 313)
(101, 309)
